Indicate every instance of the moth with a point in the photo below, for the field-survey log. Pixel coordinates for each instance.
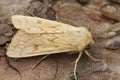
(38, 36)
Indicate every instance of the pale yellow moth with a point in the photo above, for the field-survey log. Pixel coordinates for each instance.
(37, 36)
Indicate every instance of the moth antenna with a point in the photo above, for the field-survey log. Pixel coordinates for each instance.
(38, 62)
(91, 57)
(76, 62)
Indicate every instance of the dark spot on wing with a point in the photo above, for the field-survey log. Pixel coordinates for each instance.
(39, 22)
(35, 47)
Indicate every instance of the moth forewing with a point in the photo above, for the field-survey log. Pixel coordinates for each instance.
(26, 45)
(33, 39)
(39, 25)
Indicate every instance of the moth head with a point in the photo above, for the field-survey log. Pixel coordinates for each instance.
(91, 41)
(85, 39)
(86, 33)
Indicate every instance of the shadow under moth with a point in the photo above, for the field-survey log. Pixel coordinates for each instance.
(38, 36)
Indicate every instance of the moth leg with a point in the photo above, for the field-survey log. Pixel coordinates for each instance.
(38, 62)
(75, 67)
(91, 57)
(9, 64)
